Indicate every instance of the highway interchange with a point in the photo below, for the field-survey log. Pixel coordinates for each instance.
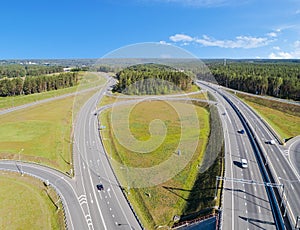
(245, 206)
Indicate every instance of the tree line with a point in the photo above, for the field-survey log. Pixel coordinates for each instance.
(37, 84)
(274, 79)
(151, 79)
(15, 70)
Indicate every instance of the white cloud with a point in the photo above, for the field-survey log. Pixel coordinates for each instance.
(280, 55)
(276, 47)
(181, 38)
(272, 34)
(245, 42)
(200, 3)
(294, 54)
(164, 43)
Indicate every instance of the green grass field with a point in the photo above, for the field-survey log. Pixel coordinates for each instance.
(27, 204)
(283, 117)
(87, 80)
(158, 204)
(43, 131)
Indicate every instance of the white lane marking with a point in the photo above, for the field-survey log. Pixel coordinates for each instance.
(246, 211)
(91, 181)
(284, 171)
(82, 199)
(292, 187)
(245, 203)
(91, 198)
(255, 189)
(108, 192)
(113, 216)
(259, 210)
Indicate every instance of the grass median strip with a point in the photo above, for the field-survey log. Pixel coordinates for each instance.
(157, 205)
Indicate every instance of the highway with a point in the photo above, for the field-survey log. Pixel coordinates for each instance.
(245, 206)
(277, 160)
(281, 161)
(85, 206)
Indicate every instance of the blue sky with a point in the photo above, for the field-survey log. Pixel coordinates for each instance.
(206, 28)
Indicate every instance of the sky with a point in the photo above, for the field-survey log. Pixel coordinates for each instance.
(206, 28)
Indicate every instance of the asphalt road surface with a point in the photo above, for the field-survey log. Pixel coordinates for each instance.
(245, 206)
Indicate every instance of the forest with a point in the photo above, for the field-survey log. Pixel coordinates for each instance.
(17, 70)
(280, 80)
(36, 84)
(149, 79)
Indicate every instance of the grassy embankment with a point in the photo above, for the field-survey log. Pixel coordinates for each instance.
(27, 204)
(43, 131)
(87, 80)
(157, 205)
(283, 117)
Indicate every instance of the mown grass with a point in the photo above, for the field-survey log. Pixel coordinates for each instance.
(157, 205)
(87, 80)
(283, 117)
(43, 131)
(27, 204)
(201, 200)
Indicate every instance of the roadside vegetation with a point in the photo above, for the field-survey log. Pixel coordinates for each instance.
(283, 117)
(86, 80)
(181, 195)
(26, 203)
(42, 133)
(278, 79)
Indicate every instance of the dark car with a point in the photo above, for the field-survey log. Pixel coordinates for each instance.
(241, 131)
(100, 187)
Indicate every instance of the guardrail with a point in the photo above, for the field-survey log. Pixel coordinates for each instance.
(266, 177)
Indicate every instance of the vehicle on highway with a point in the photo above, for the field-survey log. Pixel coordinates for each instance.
(100, 187)
(271, 142)
(241, 131)
(244, 163)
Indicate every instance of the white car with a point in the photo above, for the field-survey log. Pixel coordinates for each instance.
(244, 163)
(270, 142)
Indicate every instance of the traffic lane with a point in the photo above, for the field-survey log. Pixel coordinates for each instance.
(239, 206)
(124, 214)
(259, 205)
(277, 160)
(294, 153)
(92, 133)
